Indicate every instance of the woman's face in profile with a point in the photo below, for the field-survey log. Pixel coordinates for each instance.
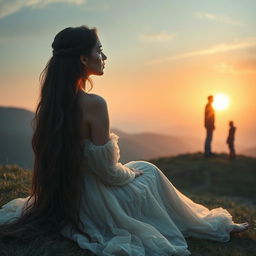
(95, 64)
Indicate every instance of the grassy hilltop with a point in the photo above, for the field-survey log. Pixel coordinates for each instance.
(219, 176)
(215, 182)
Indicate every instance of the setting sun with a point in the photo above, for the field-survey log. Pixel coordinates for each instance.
(221, 101)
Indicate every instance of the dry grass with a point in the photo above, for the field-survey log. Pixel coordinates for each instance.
(227, 184)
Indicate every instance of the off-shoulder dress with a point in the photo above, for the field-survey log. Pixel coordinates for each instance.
(143, 216)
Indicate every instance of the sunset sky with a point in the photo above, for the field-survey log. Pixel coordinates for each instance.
(164, 58)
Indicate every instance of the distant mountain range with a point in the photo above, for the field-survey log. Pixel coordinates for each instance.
(145, 145)
(250, 152)
(16, 134)
(15, 137)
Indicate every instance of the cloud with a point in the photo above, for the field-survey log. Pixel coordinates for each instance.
(237, 45)
(224, 68)
(156, 37)
(250, 62)
(13, 6)
(214, 17)
(230, 69)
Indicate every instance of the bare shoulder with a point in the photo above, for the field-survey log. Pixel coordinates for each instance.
(96, 116)
(91, 100)
(98, 101)
(93, 106)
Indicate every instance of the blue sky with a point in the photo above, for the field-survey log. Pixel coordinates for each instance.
(122, 24)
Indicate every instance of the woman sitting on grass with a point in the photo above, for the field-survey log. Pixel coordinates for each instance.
(79, 187)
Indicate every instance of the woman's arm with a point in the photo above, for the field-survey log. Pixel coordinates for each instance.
(98, 118)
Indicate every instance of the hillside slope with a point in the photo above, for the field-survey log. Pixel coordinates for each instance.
(218, 176)
(213, 182)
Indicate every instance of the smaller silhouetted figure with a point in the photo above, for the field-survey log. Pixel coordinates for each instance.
(209, 119)
(230, 140)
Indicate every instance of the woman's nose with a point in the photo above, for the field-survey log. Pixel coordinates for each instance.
(104, 56)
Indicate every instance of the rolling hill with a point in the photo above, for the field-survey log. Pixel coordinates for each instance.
(215, 182)
(16, 134)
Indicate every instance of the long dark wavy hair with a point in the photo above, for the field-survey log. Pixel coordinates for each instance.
(57, 184)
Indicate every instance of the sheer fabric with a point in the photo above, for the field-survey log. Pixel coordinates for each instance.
(143, 216)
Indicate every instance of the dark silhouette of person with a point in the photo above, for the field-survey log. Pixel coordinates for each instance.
(230, 140)
(209, 119)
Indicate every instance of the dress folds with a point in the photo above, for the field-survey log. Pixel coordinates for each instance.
(128, 216)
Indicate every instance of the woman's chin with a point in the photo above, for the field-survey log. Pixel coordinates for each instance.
(98, 73)
(101, 72)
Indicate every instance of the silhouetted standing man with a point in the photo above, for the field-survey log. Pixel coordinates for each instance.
(209, 119)
(230, 140)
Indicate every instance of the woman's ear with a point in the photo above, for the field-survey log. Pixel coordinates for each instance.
(83, 60)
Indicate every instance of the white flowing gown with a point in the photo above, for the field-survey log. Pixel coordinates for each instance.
(128, 216)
